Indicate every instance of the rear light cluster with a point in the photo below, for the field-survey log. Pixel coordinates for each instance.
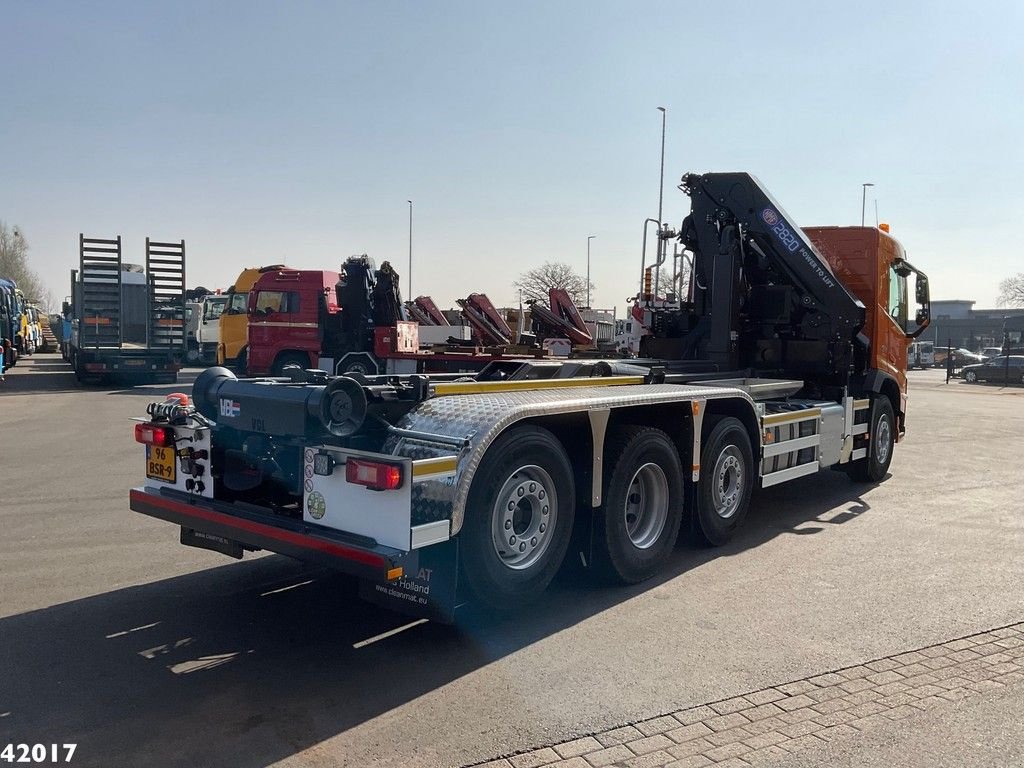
(374, 475)
(150, 434)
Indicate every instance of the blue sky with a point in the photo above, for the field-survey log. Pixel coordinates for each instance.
(295, 132)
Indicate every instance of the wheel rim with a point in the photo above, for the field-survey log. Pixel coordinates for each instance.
(883, 439)
(646, 507)
(971, 376)
(524, 516)
(728, 482)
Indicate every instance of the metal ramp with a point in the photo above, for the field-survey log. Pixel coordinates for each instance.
(100, 275)
(165, 275)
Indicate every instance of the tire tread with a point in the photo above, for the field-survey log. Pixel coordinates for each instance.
(609, 563)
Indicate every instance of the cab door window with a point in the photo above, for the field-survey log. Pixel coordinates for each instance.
(898, 298)
(212, 310)
(237, 304)
(277, 302)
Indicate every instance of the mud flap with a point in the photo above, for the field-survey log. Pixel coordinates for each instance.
(430, 593)
(212, 542)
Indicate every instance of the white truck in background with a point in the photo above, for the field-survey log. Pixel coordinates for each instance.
(203, 328)
(921, 354)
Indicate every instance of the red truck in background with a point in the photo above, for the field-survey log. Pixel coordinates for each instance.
(351, 321)
(287, 309)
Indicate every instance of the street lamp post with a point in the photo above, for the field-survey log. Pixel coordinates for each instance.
(661, 180)
(589, 238)
(410, 248)
(661, 197)
(864, 199)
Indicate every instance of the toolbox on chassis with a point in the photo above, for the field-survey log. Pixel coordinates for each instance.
(434, 491)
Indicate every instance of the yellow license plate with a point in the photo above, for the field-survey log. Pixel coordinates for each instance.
(160, 463)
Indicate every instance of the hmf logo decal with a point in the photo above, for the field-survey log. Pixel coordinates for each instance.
(229, 408)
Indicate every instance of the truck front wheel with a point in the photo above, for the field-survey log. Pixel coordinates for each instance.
(289, 358)
(726, 479)
(638, 523)
(519, 518)
(881, 440)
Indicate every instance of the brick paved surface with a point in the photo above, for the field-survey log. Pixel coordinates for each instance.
(764, 726)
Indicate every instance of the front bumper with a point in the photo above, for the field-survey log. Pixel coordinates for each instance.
(255, 529)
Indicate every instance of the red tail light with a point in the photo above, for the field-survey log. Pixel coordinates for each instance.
(148, 434)
(373, 474)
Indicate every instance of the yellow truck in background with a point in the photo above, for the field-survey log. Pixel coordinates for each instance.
(233, 349)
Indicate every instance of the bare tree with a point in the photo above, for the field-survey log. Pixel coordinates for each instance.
(1011, 291)
(14, 265)
(536, 282)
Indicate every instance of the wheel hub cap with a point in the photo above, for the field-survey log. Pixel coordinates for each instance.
(646, 507)
(524, 516)
(728, 483)
(883, 440)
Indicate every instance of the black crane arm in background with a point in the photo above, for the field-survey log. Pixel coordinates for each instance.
(763, 296)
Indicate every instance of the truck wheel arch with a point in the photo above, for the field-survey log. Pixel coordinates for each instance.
(881, 383)
(738, 409)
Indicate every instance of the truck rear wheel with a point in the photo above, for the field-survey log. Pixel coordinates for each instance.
(362, 363)
(726, 479)
(881, 440)
(519, 518)
(638, 523)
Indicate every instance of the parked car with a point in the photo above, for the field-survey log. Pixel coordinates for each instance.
(961, 357)
(1004, 369)
(989, 352)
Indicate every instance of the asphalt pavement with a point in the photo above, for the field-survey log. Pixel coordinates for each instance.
(141, 651)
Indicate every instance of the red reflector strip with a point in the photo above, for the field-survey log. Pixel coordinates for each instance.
(289, 537)
(375, 475)
(148, 434)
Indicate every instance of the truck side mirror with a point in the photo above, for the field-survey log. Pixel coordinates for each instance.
(922, 296)
(921, 292)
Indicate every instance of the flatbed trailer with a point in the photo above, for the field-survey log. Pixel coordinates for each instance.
(107, 312)
(434, 491)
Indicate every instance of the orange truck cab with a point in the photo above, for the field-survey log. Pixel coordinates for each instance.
(286, 309)
(873, 266)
